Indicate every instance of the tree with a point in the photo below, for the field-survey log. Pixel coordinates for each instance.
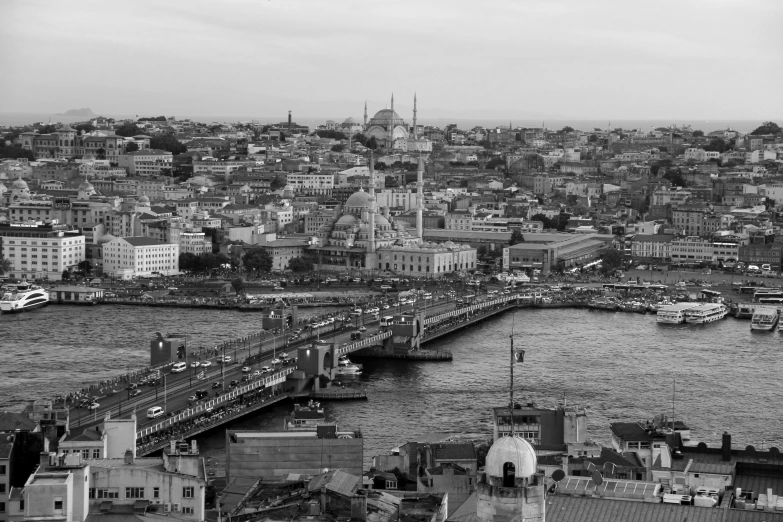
(101, 153)
(131, 147)
(278, 182)
(767, 127)
(85, 266)
(593, 138)
(698, 133)
(300, 264)
(66, 275)
(47, 129)
(167, 142)
(379, 165)
(565, 130)
(338, 148)
(238, 284)
(676, 177)
(15, 152)
(611, 260)
(372, 143)
(543, 219)
(5, 265)
(257, 260)
(128, 129)
(359, 138)
(516, 237)
(188, 261)
(333, 134)
(717, 145)
(494, 162)
(86, 127)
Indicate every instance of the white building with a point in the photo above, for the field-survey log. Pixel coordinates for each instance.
(129, 257)
(691, 249)
(651, 246)
(38, 251)
(313, 183)
(146, 162)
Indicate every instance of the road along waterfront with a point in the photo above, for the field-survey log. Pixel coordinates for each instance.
(620, 366)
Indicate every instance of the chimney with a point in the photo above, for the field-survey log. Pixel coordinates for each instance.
(725, 449)
(289, 122)
(44, 460)
(173, 448)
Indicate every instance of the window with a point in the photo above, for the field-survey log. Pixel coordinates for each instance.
(58, 505)
(155, 492)
(107, 493)
(85, 454)
(134, 492)
(187, 510)
(187, 492)
(2, 469)
(2, 507)
(96, 453)
(2, 488)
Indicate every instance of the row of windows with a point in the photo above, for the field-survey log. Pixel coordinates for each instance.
(135, 492)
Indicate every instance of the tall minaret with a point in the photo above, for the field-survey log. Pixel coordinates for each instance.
(420, 199)
(365, 113)
(371, 249)
(391, 124)
(414, 116)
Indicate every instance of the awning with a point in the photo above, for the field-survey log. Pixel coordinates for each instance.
(140, 506)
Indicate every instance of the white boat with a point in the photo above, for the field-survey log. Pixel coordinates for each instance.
(22, 297)
(764, 319)
(346, 367)
(674, 313)
(706, 313)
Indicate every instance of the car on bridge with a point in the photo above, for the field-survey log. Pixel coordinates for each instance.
(257, 373)
(277, 360)
(195, 364)
(134, 392)
(93, 406)
(206, 364)
(247, 369)
(234, 383)
(217, 385)
(266, 369)
(226, 359)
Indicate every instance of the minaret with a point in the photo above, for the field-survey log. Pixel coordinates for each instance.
(391, 124)
(414, 116)
(371, 249)
(420, 199)
(365, 113)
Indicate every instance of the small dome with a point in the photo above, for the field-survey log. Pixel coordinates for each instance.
(86, 185)
(347, 219)
(144, 200)
(358, 200)
(19, 184)
(515, 450)
(351, 121)
(66, 128)
(381, 221)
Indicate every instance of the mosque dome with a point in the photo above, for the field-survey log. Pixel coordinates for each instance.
(351, 121)
(86, 186)
(347, 219)
(358, 200)
(19, 184)
(144, 200)
(514, 450)
(385, 117)
(66, 128)
(381, 221)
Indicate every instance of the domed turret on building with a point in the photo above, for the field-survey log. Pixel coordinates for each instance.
(144, 201)
(85, 190)
(511, 489)
(19, 191)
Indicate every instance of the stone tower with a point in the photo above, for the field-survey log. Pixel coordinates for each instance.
(510, 489)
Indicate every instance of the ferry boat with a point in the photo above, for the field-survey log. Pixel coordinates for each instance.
(22, 297)
(674, 313)
(765, 319)
(706, 313)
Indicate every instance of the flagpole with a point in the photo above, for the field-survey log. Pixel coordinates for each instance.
(511, 373)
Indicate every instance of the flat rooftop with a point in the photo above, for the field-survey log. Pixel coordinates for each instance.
(50, 480)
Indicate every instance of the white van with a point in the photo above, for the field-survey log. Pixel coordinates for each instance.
(155, 412)
(179, 367)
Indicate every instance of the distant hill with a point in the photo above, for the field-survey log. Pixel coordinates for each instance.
(82, 113)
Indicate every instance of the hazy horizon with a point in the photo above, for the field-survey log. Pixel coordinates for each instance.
(535, 59)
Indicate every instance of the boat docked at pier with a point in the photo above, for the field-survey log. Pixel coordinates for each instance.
(674, 313)
(765, 319)
(346, 367)
(706, 313)
(22, 297)
(305, 418)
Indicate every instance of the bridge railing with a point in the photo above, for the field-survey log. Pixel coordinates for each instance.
(363, 343)
(261, 382)
(469, 309)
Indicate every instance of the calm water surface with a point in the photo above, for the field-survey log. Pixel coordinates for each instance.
(619, 366)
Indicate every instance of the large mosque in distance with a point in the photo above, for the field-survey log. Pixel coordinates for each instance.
(391, 132)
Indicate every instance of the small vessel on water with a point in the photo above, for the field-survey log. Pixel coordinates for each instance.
(765, 319)
(674, 313)
(305, 418)
(22, 297)
(706, 313)
(346, 367)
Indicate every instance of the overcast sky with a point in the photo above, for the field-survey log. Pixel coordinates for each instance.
(623, 59)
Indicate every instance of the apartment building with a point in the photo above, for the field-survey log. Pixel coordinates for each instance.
(313, 183)
(691, 249)
(657, 246)
(146, 162)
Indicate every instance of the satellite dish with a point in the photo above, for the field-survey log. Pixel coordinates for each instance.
(558, 475)
(597, 478)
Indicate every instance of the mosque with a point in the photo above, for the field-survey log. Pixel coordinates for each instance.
(390, 131)
(363, 238)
